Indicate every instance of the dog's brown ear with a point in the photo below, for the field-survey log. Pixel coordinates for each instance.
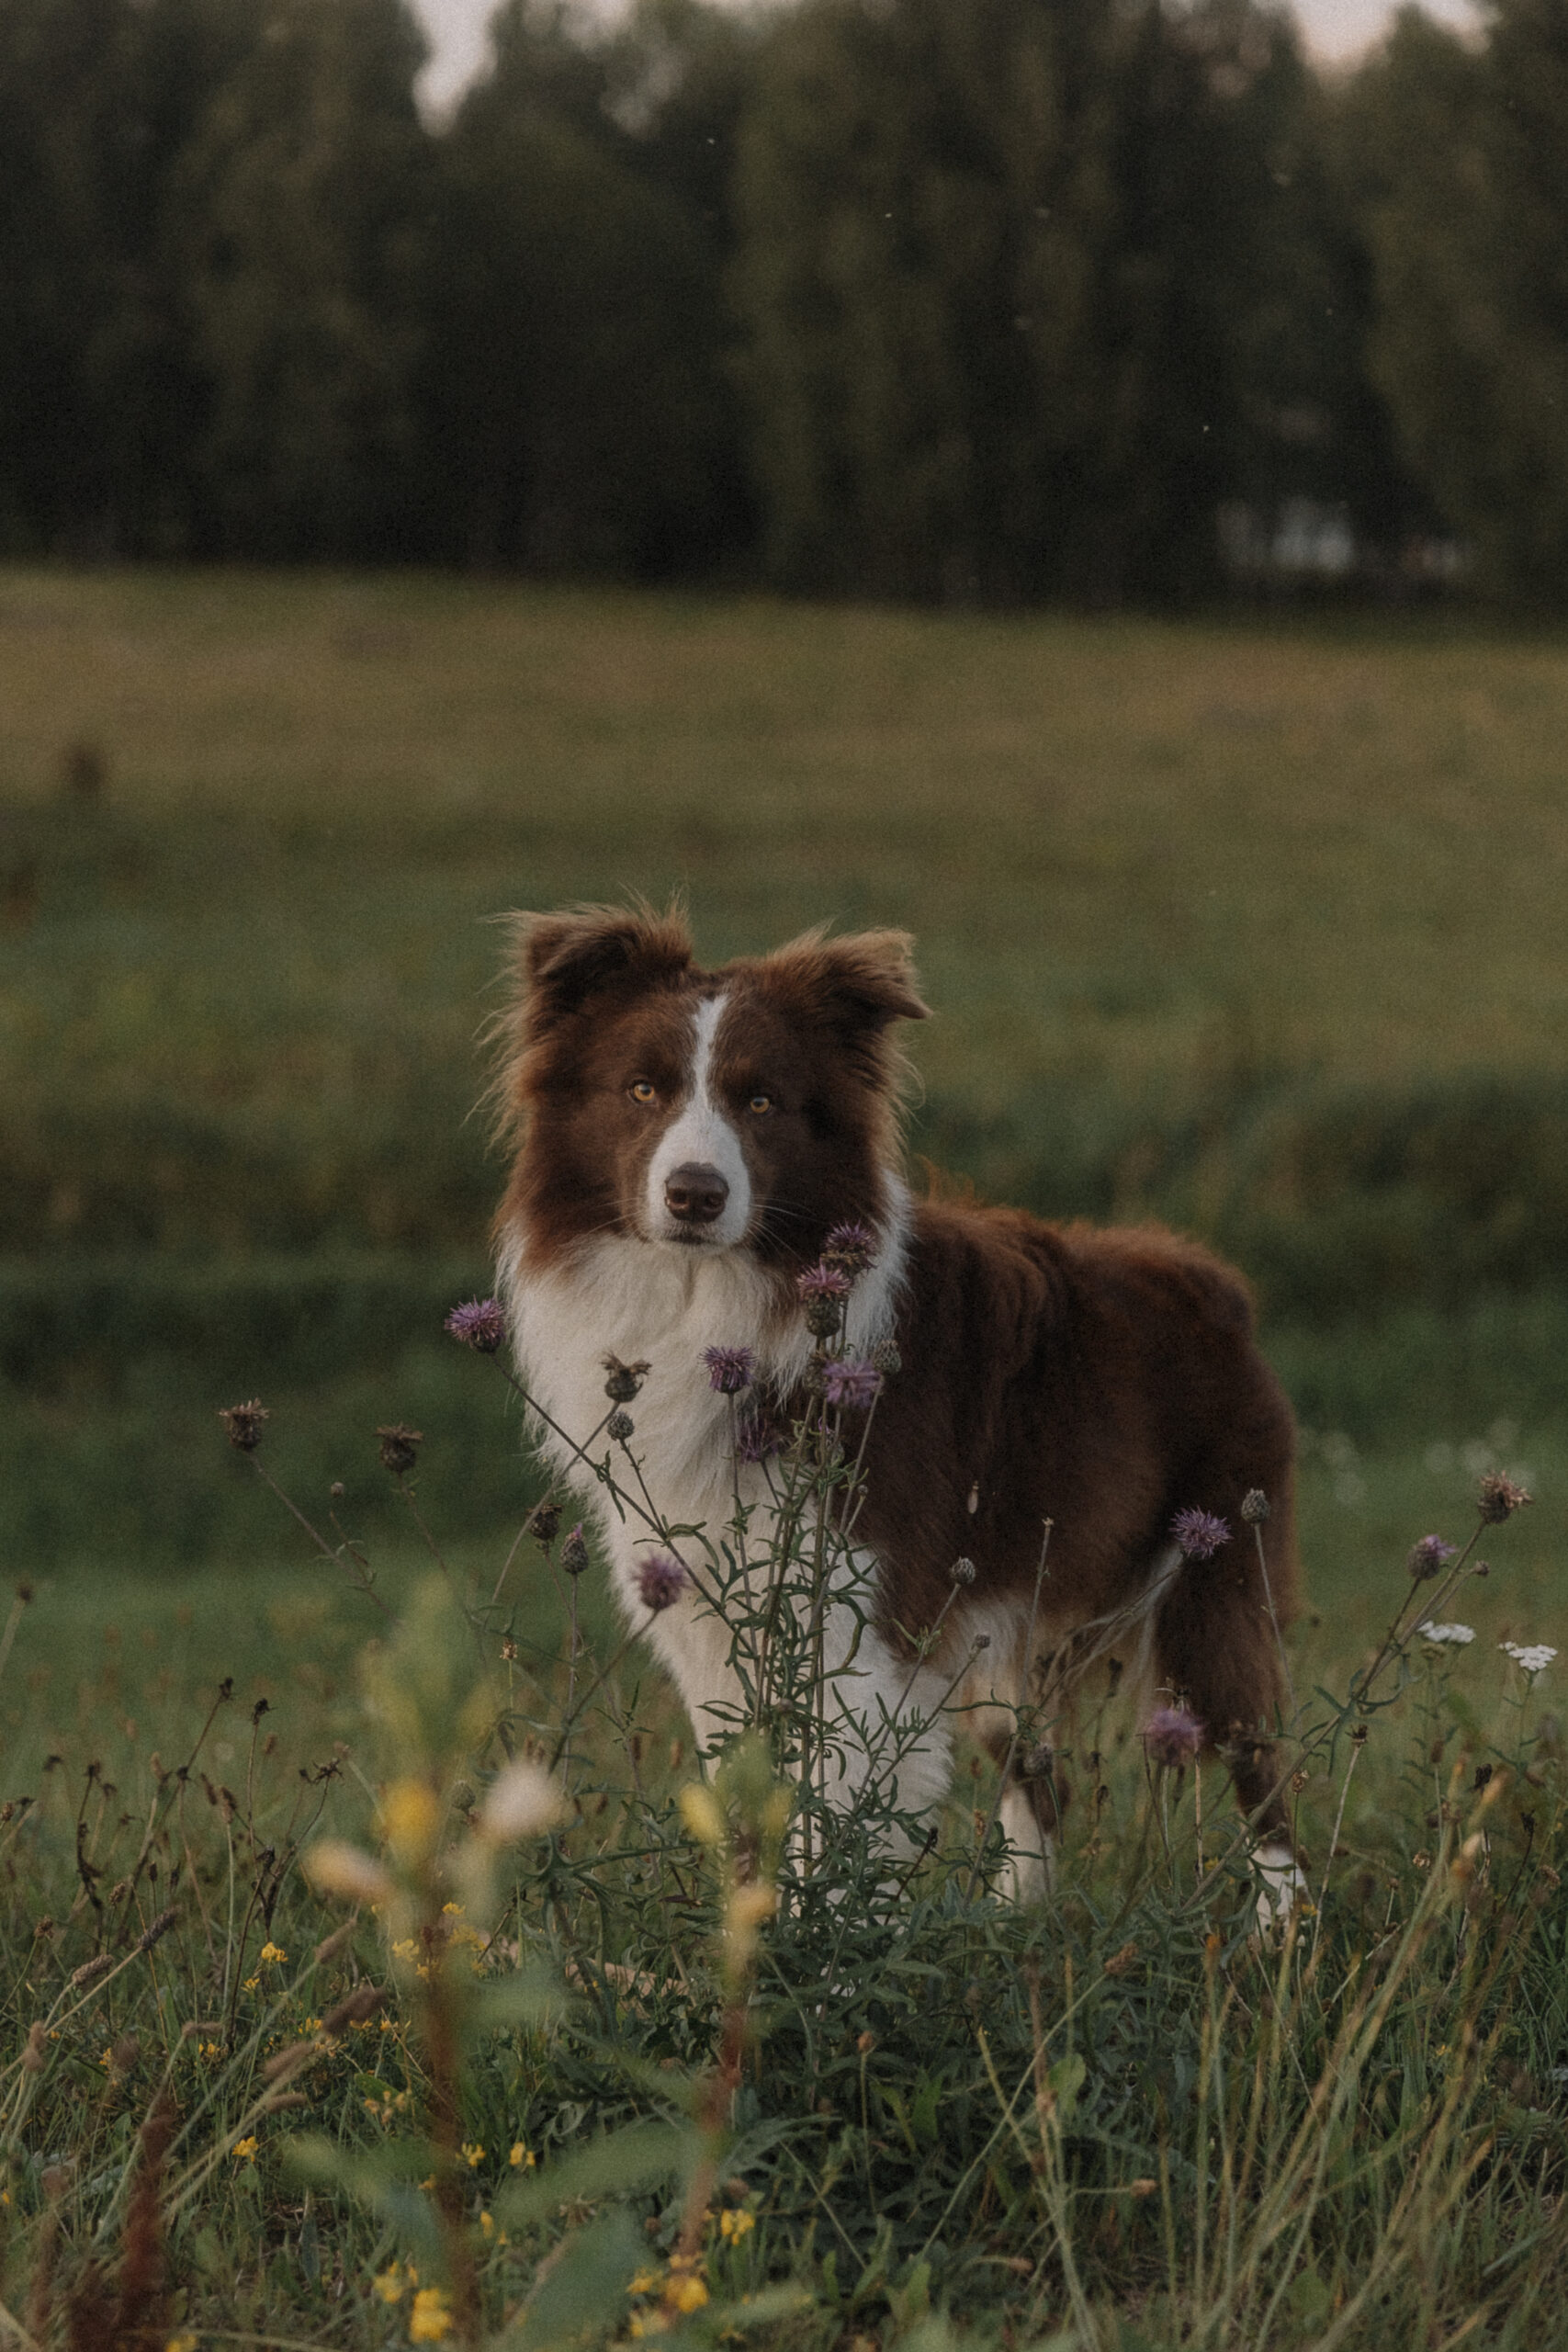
(570, 956)
(854, 986)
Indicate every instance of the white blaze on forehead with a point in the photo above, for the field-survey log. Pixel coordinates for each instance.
(700, 1134)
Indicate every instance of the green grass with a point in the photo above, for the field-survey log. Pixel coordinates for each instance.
(1254, 927)
(1230, 2146)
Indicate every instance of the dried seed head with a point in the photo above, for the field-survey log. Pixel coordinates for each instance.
(886, 1359)
(661, 1581)
(362, 2002)
(619, 1426)
(963, 1570)
(157, 1931)
(1430, 1555)
(624, 1379)
(730, 1369)
(480, 1323)
(574, 1552)
(1499, 1498)
(90, 1970)
(543, 1522)
(1200, 1533)
(243, 1423)
(1255, 1506)
(399, 1447)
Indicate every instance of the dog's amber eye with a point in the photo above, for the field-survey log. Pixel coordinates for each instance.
(641, 1091)
(760, 1102)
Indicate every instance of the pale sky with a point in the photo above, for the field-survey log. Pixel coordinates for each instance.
(1334, 28)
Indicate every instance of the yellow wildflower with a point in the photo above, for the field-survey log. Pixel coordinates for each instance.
(687, 2294)
(182, 2344)
(487, 2224)
(410, 1823)
(522, 2156)
(473, 2154)
(244, 2150)
(388, 2284)
(272, 1956)
(733, 2223)
(700, 1812)
(431, 2317)
(644, 2283)
(250, 1983)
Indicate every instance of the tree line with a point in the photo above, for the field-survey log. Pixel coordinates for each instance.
(952, 299)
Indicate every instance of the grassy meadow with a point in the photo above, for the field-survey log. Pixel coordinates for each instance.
(1253, 926)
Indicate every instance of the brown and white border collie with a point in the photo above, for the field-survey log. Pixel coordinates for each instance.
(687, 1139)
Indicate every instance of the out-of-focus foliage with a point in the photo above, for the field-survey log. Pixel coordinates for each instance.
(1460, 157)
(1028, 291)
(948, 300)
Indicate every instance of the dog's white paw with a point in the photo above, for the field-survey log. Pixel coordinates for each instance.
(1282, 1884)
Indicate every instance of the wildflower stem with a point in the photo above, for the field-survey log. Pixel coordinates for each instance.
(317, 1538)
(1273, 1614)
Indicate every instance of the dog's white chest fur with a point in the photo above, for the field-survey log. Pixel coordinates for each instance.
(647, 1303)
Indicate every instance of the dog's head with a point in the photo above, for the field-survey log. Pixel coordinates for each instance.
(750, 1107)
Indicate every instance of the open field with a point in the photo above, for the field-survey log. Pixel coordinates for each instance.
(1253, 926)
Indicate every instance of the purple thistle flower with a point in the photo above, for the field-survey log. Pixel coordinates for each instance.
(480, 1323)
(661, 1581)
(823, 1292)
(756, 1437)
(853, 1381)
(852, 1247)
(730, 1369)
(1430, 1555)
(1172, 1737)
(1200, 1533)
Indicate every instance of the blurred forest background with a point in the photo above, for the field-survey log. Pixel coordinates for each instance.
(1056, 474)
(950, 300)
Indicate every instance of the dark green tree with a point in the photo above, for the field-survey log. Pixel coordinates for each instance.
(298, 214)
(1459, 156)
(576, 410)
(1028, 288)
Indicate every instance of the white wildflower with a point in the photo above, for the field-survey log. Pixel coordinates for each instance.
(337, 1868)
(1532, 1657)
(1457, 1635)
(521, 1801)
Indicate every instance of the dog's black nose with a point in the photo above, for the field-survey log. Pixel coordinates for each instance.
(695, 1192)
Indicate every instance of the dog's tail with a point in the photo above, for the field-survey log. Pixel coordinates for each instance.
(1125, 1634)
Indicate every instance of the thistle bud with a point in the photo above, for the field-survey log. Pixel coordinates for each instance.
(1255, 1506)
(619, 1426)
(574, 1552)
